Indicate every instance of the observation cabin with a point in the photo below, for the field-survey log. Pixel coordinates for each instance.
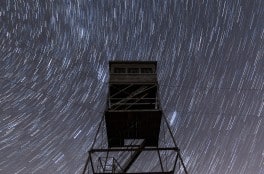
(133, 110)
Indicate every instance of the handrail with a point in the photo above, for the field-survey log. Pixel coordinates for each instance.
(132, 98)
(113, 149)
(133, 73)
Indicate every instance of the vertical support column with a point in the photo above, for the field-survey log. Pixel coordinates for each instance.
(161, 165)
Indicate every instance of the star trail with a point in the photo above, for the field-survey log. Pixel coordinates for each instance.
(54, 78)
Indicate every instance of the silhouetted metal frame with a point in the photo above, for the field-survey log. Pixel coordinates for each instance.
(134, 149)
(89, 153)
(178, 155)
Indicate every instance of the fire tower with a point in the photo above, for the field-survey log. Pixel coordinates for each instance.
(135, 135)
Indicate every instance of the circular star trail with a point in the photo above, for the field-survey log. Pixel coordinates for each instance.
(54, 73)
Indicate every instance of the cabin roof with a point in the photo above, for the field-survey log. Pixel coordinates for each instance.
(132, 62)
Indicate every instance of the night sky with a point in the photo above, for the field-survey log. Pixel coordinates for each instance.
(54, 73)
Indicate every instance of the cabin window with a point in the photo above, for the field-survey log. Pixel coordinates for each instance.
(120, 70)
(146, 70)
(133, 70)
